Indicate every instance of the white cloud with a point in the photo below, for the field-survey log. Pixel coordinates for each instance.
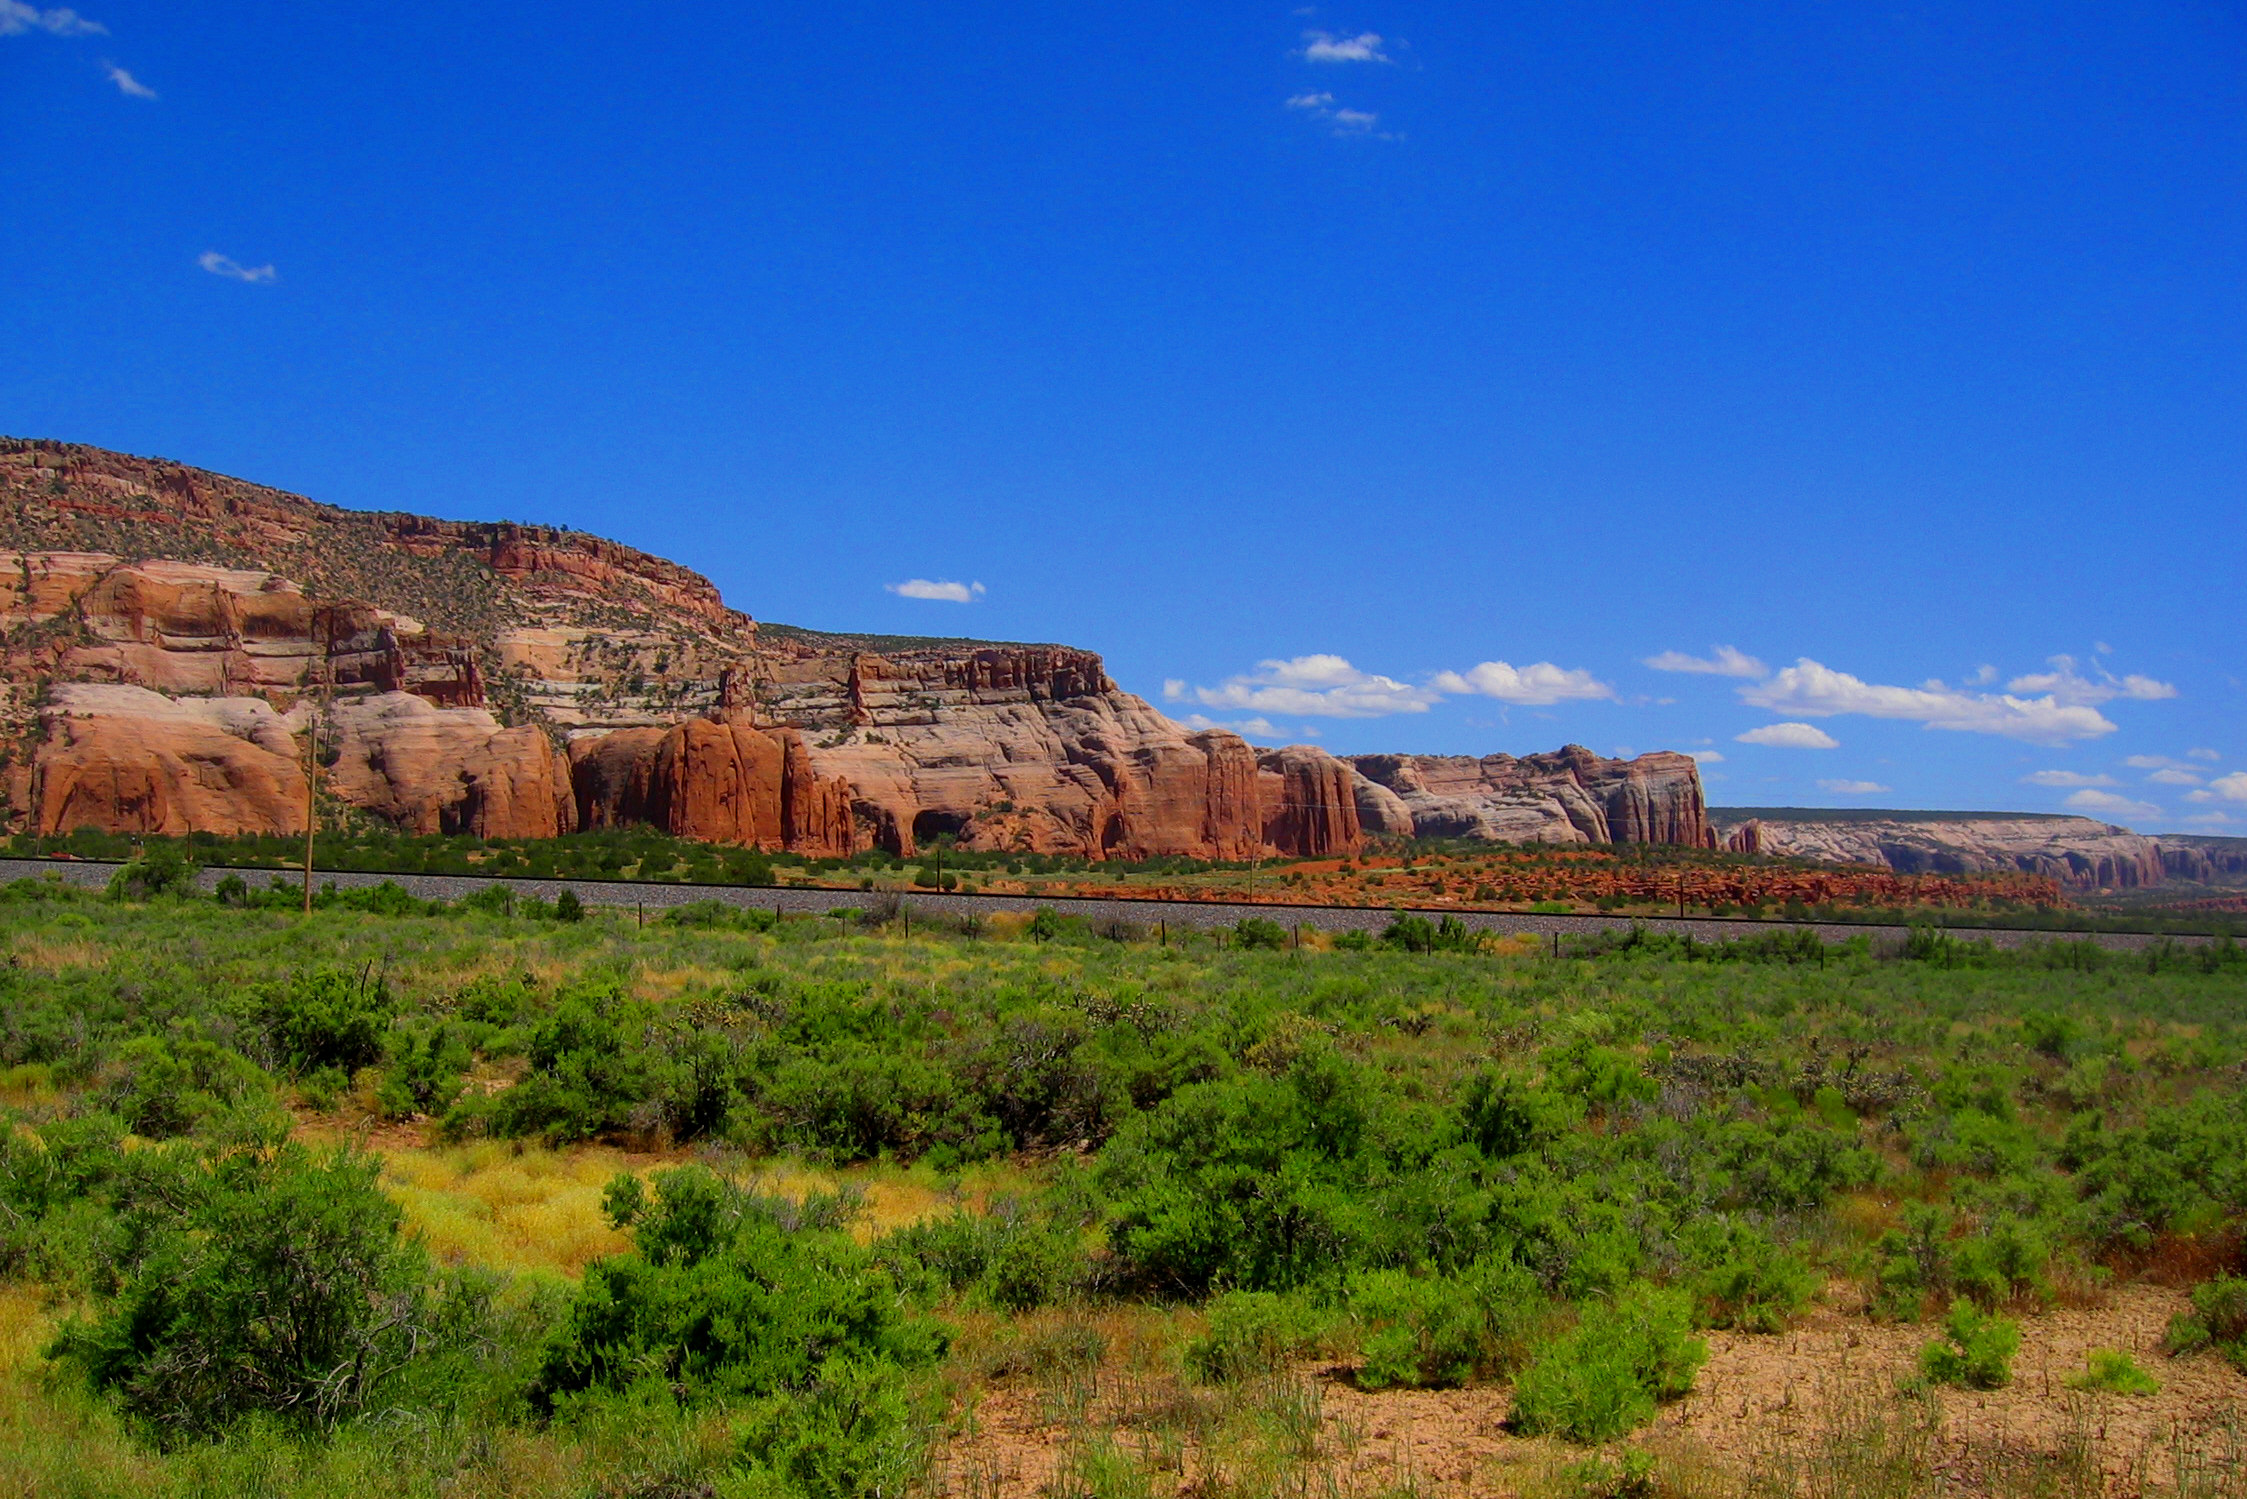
(1534, 685)
(1317, 686)
(2232, 788)
(942, 592)
(222, 265)
(127, 84)
(1327, 686)
(1325, 46)
(16, 18)
(1706, 757)
(1983, 675)
(2203, 754)
(1321, 106)
(1819, 691)
(2174, 778)
(1790, 736)
(1853, 788)
(2066, 778)
(2068, 685)
(2108, 803)
(1252, 728)
(1722, 661)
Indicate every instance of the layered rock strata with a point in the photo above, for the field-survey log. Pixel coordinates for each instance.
(2079, 853)
(1568, 796)
(171, 635)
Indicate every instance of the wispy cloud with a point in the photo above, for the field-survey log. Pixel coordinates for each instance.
(1853, 788)
(2064, 710)
(2171, 777)
(2231, 788)
(1722, 661)
(940, 591)
(2066, 778)
(2203, 754)
(1321, 106)
(2111, 804)
(1706, 757)
(127, 84)
(16, 18)
(1328, 686)
(2068, 685)
(1247, 728)
(1327, 46)
(234, 270)
(1536, 685)
(1790, 736)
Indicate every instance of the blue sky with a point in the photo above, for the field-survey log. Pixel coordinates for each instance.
(1385, 376)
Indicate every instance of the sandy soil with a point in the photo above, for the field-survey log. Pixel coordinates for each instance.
(1758, 1396)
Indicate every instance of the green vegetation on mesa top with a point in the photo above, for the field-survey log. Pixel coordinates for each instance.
(841, 641)
(1437, 1160)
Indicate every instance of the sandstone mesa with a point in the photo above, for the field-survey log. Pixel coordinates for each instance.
(168, 629)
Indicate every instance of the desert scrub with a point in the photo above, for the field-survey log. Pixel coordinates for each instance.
(1976, 1350)
(1604, 1378)
(1251, 1333)
(2218, 1320)
(2114, 1372)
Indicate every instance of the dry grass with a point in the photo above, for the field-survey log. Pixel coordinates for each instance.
(54, 954)
(517, 1207)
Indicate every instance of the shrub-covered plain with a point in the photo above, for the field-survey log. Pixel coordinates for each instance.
(1418, 1162)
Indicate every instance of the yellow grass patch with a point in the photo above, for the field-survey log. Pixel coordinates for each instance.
(28, 1085)
(53, 955)
(491, 1203)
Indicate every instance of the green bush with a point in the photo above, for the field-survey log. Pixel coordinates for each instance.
(2218, 1320)
(860, 1431)
(328, 1019)
(1754, 1285)
(1976, 1351)
(1251, 1333)
(280, 1288)
(1253, 932)
(166, 1086)
(2004, 1262)
(2115, 1372)
(1604, 1378)
(1417, 1332)
(160, 869)
(719, 1299)
(425, 1071)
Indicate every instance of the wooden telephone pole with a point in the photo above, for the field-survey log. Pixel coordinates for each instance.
(312, 765)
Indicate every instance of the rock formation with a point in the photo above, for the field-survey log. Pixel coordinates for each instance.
(1569, 796)
(169, 634)
(2077, 852)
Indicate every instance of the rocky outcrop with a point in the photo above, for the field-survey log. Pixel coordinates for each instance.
(721, 782)
(128, 760)
(2204, 861)
(2077, 852)
(1309, 802)
(430, 769)
(455, 660)
(1569, 796)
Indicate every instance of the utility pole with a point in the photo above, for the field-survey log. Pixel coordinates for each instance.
(312, 767)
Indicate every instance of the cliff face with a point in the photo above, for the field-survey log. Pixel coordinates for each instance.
(168, 631)
(2077, 852)
(1569, 796)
